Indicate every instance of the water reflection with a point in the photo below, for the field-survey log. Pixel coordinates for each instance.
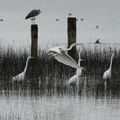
(30, 101)
(58, 107)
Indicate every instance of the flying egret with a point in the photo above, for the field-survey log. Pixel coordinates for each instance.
(33, 14)
(107, 73)
(74, 80)
(60, 54)
(21, 76)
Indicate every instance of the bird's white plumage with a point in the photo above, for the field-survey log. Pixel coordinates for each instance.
(75, 78)
(107, 73)
(21, 76)
(66, 59)
(61, 49)
(60, 54)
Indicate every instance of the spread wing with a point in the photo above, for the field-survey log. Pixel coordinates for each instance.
(66, 59)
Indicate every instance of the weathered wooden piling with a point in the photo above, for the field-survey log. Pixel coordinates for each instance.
(71, 31)
(34, 49)
(34, 40)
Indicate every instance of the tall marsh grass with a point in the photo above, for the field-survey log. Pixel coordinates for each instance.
(52, 76)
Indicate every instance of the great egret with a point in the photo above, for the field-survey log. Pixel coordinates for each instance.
(60, 54)
(107, 73)
(21, 76)
(32, 15)
(74, 80)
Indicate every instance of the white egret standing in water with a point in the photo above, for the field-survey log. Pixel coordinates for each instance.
(74, 80)
(60, 54)
(21, 76)
(33, 14)
(107, 73)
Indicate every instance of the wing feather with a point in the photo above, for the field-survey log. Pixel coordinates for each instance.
(66, 59)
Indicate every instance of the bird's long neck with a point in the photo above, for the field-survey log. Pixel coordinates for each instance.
(79, 59)
(79, 69)
(26, 66)
(73, 45)
(111, 61)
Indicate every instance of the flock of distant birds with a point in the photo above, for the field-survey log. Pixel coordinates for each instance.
(61, 55)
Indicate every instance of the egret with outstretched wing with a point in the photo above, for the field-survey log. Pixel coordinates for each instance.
(60, 54)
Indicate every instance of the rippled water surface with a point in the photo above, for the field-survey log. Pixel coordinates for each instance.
(56, 107)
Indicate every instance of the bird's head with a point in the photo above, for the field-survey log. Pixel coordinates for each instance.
(39, 11)
(62, 50)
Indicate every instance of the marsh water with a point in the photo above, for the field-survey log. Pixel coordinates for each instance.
(58, 107)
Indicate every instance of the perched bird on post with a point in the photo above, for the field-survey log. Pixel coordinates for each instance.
(33, 14)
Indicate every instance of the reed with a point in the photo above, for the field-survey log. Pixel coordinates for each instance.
(53, 76)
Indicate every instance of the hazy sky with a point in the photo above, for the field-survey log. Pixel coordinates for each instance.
(15, 30)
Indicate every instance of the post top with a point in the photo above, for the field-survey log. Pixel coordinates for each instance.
(71, 18)
(35, 26)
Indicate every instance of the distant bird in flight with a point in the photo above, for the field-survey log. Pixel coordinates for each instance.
(97, 41)
(33, 14)
(97, 27)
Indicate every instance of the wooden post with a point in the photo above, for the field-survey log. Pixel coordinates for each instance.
(34, 49)
(34, 40)
(71, 30)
